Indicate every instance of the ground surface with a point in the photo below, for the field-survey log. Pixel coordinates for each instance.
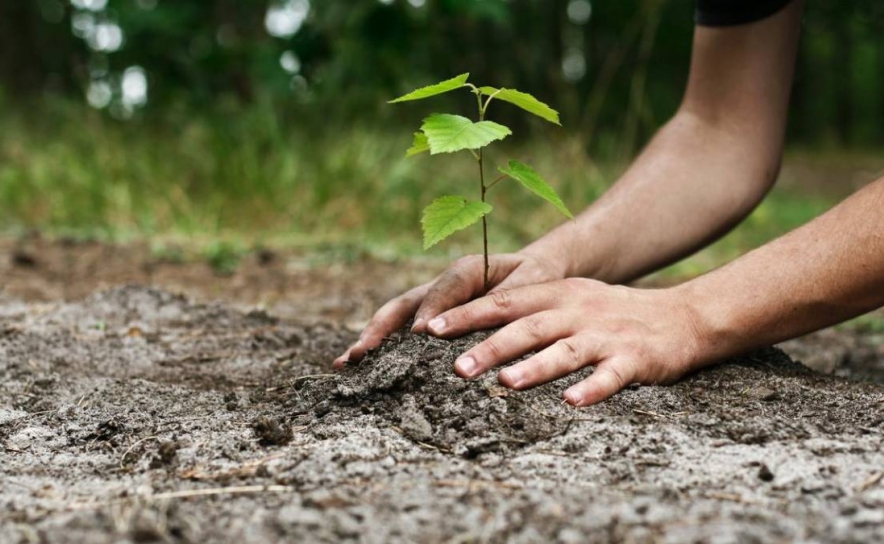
(130, 413)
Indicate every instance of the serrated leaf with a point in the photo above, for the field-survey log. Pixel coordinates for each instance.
(449, 214)
(524, 101)
(532, 181)
(432, 90)
(420, 145)
(448, 133)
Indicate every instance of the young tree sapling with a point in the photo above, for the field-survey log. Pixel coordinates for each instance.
(447, 133)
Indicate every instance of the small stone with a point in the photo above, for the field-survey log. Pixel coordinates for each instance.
(766, 394)
(765, 474)
(415, 425)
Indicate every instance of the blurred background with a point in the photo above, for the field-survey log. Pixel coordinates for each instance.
(263, 123)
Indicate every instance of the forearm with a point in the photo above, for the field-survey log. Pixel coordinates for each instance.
(827, 271)
(692, 183)
(705, 170)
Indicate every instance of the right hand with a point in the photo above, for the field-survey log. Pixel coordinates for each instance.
(461, 283)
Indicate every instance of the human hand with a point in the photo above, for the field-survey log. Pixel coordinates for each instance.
(629, 335)
(463, 281)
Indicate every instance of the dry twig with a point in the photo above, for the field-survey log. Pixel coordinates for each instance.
(870, 481)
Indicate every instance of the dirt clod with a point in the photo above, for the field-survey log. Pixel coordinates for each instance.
(271, 431)
(409, 381)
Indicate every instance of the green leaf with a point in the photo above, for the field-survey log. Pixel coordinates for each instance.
(532, 181)
(448, 133)
(524, 101)
(449, 214)
(419, 146)
(432, 90)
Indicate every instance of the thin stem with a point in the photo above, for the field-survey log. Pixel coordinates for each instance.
(484, 108)
(493, 183)
(484, 220)
(484, 190)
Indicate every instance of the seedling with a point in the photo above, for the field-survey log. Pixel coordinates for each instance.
(447, 133)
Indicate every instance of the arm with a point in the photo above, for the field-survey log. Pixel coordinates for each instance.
(825, 272)
(705, 170)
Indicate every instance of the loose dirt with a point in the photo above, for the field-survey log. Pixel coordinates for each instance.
(137, 415)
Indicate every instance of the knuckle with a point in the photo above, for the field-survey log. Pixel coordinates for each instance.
(618, 375)
(569, 347)
(502, 299)
(532, 328)
(451, 276)
(492, 349)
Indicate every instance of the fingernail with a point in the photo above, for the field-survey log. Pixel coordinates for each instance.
(513, 378)
(572, 398)
(436, 325)
(418, 324)
(467, 365)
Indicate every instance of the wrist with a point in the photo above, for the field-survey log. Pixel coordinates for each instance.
(553, 254)
(566, 248)
(712, 327)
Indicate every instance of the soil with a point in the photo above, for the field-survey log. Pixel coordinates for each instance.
(134, 414)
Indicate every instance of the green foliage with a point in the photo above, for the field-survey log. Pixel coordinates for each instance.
(223, 257)
(167, 253)
(448, 133)
(420, 145)
(524, 101)
(433, 90)
(449, 214)
(532, 181)
(319, 187)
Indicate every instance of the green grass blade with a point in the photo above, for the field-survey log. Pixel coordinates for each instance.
(449, 214)
(419, 146)
(432, 90)
(532, 181)
(524, 101)
(448, 133)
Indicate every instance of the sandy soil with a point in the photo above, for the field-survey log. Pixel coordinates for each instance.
(132, 414)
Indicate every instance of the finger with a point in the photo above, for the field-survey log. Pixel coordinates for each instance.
(339, 363)
(535, 331)
(460, 283)
(609, 377)
(565, 356)
(388, 319)
(495, 309)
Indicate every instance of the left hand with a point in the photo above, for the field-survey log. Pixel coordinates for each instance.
(630, 335)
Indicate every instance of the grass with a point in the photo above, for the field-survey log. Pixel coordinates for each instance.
(260, 177)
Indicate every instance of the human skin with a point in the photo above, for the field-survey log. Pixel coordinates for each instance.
(705, 170)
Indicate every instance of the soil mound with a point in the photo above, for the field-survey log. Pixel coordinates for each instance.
(410, 383)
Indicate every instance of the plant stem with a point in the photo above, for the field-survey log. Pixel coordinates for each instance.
(484, 221)
(493, 183)
(484, 217)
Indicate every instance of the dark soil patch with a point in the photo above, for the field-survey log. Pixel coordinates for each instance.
(135, 415)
